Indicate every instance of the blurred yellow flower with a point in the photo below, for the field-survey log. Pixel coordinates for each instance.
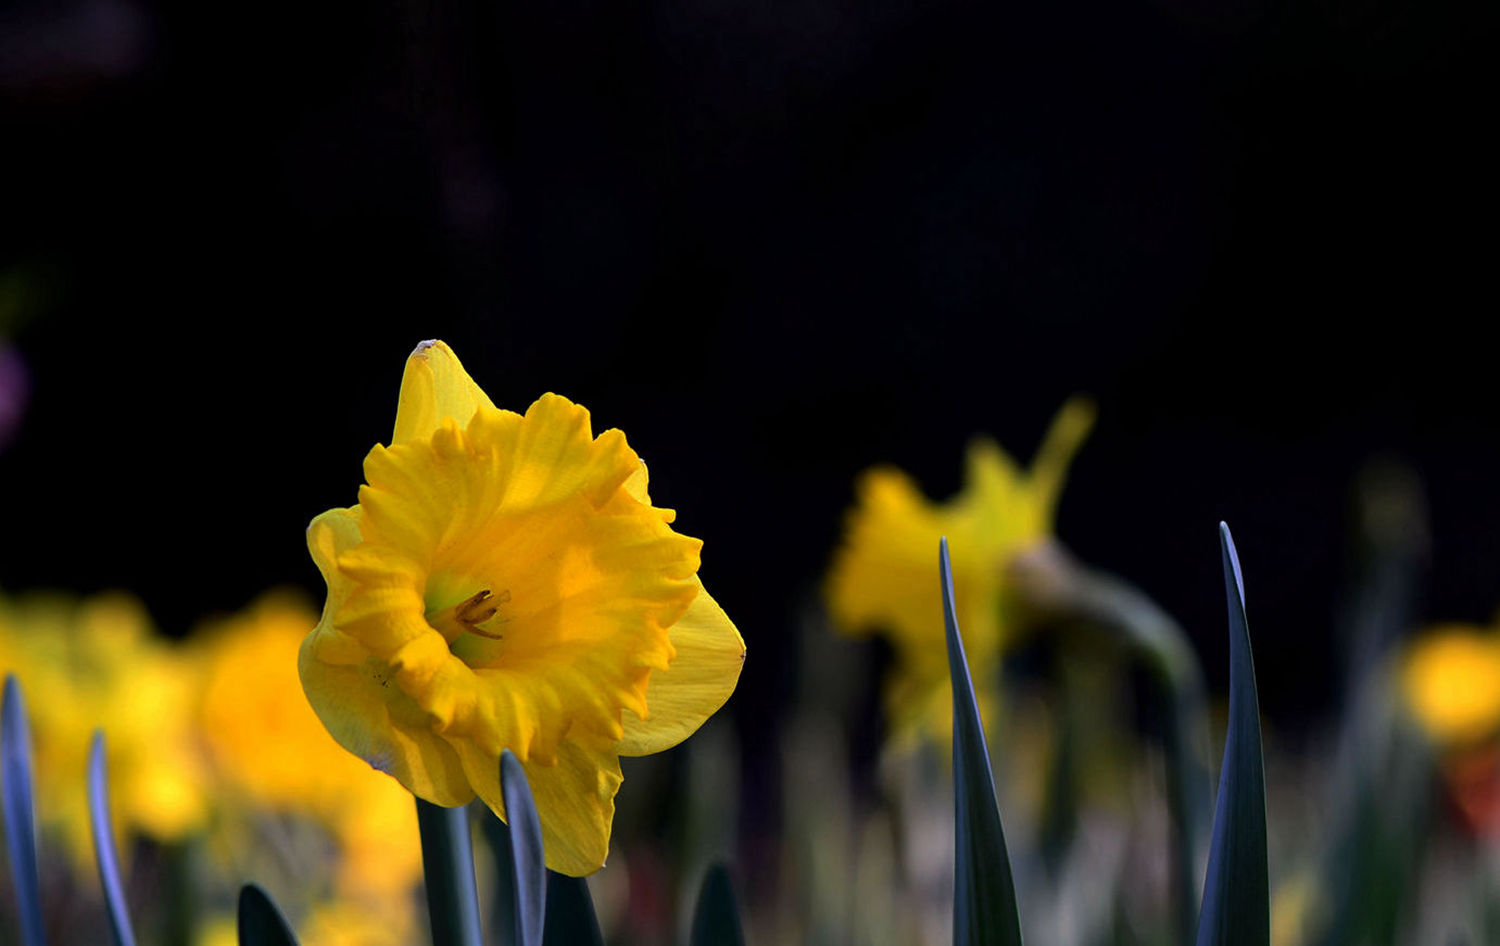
(269, 750)
(343, 924)
(884, 577)
(1450, 680)
(97, 663)
(332, 923)
(505, 582)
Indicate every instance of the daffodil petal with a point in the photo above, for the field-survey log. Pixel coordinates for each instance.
(575, 800)
(710, 653)
(1049, 468)
(330, 535)
(370, 716)
(434, 386)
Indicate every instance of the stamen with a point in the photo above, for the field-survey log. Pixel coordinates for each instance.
(466, 616)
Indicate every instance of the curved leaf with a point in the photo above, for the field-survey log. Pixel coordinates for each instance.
(261, 922)
(448, 867)
(1236, 891)
(104, 845)
(716, 920)
(20, 811)
(503, 895)
(527, 857)
(984, 895)
(571, 920)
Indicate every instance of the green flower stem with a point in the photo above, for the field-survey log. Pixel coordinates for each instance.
(1052, 584)
(448, 864)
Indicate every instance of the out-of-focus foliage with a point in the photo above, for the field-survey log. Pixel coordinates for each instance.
(881, 577)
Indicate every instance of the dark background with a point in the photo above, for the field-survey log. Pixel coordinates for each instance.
(775, 243)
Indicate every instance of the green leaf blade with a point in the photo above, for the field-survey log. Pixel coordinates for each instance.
(1236, 891)
(20, 811)
(261, 922)
(571, 920)
(104, 845)
(716, 919)
(528, 860)
(984, 896)
(448, 868)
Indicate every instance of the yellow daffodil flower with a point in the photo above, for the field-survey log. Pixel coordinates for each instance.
(1450, 680)
(505, 582)
(97, 663)
(884, 577)
(270, 752)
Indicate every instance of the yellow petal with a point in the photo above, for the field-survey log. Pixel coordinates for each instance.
(1049, 469)
(330, 535)
(433, 387)
(370, 716)
(710, 653)
(575, 801)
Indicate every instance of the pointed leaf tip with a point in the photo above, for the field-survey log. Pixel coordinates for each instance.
(20, 810)
(104, 845)
(528, 860)
(571, 920)
(1231, 562)
(984, 896)
(261, 922)
(716, 919)
(1236, 891)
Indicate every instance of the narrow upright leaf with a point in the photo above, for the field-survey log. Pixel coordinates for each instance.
(716, 920)
(20, 812)
(1236, 892)
(503, 895)
(104, 845)
(448, 868)
(527, 858)
(261, 922)
(984, 896)
(571, 920)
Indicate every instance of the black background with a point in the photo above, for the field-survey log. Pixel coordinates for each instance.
(775, 243)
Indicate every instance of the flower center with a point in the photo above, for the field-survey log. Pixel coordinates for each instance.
(465, 617)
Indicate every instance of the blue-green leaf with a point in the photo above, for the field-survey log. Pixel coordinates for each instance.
(20, 811)
(448, 867)
(984, 896)
(261, 922)
(1236, 892)
(527, 858)
(104, 845)
(503, 894)
(716, 920)
(571, 920)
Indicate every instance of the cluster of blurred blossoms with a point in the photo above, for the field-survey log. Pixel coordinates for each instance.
(214, 756)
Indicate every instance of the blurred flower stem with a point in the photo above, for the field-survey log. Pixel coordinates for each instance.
(1056, 588)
